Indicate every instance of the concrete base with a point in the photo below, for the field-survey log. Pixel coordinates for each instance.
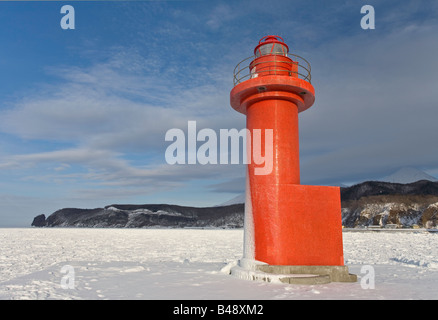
(309, 275)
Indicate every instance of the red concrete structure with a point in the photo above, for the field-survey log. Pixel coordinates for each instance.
(292, 224)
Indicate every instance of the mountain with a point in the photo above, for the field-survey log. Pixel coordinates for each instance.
(368, 203)
(382, 203)
(408, 175)
(142, 216)
(238, 199)
(380, 188)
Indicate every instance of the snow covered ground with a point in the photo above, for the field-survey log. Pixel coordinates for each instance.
(63, 263)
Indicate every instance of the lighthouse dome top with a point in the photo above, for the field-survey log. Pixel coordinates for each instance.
(271, 45)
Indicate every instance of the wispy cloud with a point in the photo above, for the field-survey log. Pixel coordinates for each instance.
(220, 15)
(108, 104)
(105, 113)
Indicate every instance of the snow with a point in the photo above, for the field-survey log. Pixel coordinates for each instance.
(158, 212)
(241, 198)
(195, 264)
(146, 211)
(407, 175)
(113, 209)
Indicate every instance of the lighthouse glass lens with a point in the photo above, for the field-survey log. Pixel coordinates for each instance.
(279, 49)
(271, 48)
(266, 49)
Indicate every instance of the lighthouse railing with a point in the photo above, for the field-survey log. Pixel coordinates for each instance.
(299, 68)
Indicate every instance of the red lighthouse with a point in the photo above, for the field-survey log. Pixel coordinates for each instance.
(290, 228)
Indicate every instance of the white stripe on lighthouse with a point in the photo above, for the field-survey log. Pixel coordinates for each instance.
(248, 242)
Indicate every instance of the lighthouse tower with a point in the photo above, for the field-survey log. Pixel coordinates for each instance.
(293, 232)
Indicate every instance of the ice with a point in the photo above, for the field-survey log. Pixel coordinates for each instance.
(195, 264)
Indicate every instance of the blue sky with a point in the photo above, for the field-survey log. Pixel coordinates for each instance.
(84, 112)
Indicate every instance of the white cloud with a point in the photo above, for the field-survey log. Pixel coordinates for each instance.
(115, 105)
(220, 15)
(62, 167)
(108, 114)
(108, 169)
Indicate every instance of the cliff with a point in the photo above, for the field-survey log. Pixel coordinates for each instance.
(141, 216)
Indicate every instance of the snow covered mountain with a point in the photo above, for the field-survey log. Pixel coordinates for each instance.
(144, 216)
(407, 175)
(381, 203)
(238, 199)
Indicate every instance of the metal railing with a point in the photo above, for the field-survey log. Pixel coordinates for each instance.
(242, 71)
